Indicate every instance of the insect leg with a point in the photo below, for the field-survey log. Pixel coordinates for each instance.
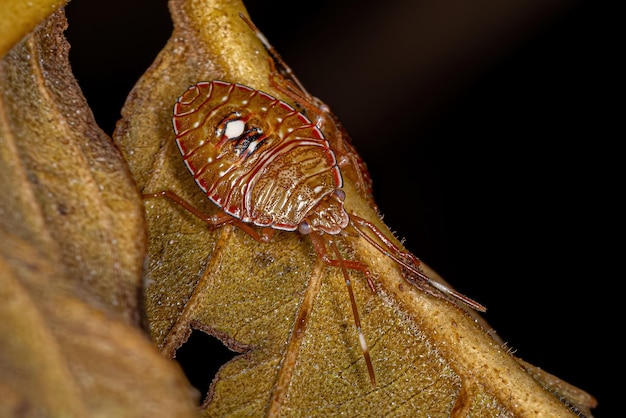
(320, 249)
(407, 260)
(320, 246)
(214, 221)
(275, 55)
(290, 86)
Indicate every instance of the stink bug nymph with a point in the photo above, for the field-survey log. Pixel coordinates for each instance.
(268, 167)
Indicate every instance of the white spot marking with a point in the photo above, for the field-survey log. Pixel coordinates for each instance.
(252, 146)
(234, 128)
(362, 341)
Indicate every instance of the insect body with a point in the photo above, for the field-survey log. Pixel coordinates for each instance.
(259, 159)
(266, 164)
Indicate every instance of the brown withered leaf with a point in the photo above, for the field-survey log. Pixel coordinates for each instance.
(20, 18)
(71, 254)
(277, 303)
(65, 355)
(71, 193)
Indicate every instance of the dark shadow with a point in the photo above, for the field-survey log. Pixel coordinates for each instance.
(201, 357)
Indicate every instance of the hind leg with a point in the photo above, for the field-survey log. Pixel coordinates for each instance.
(320, 242)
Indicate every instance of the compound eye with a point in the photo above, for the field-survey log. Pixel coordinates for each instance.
(341, 195)
(304, 228)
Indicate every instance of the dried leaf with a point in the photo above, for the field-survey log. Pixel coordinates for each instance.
(71, 253)
(277, 302)
(20, 17)
(64, 355)
(71, 192)
(579, 400)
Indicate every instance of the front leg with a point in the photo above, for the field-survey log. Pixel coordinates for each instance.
(214, 221)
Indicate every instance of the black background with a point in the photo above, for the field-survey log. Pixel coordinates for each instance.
(487, 133)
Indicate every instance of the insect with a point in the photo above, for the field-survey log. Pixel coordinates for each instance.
(269, 167)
